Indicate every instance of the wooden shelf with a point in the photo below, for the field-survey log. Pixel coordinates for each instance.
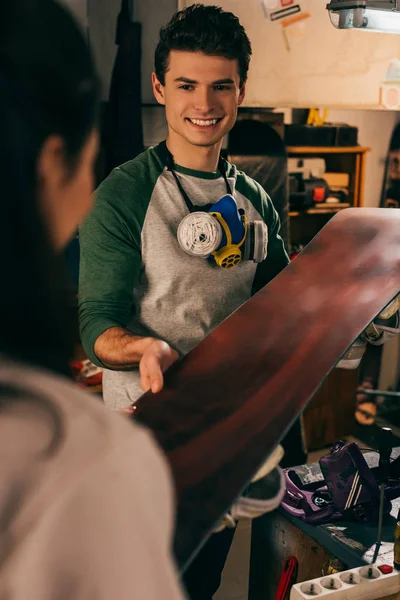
(326, 210)
(327, 149)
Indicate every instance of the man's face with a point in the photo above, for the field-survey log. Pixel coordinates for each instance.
(201, 96)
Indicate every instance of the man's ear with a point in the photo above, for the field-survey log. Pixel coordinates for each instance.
(242, 93)
(158, 89)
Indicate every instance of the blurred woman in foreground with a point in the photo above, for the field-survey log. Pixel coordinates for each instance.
(86, 501)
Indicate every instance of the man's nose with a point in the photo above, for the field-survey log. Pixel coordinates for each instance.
(204, 100)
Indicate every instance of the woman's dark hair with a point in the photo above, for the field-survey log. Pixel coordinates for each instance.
(206, 29)
(48, 85)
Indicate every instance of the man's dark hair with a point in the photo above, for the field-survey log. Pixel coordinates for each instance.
(206, 29)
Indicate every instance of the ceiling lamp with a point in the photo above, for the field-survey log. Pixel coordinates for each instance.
(366, 15)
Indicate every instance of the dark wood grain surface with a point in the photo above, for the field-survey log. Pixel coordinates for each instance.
(228, 403)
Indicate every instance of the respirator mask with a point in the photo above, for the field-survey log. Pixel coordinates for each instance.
(223, 234)
(219, 232)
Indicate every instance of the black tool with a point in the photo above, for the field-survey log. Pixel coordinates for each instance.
(385, 446)
(385, 450)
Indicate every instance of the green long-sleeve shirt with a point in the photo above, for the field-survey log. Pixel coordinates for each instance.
(133, 273)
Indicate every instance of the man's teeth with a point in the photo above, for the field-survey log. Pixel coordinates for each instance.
(204, 123)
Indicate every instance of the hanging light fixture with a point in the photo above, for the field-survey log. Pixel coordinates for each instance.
(366, 15)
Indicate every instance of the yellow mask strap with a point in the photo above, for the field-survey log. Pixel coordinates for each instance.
(226, 229)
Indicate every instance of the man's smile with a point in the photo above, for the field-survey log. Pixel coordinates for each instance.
(204, 123)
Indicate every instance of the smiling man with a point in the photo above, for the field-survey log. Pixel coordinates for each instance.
(144, 300)
(201, 94)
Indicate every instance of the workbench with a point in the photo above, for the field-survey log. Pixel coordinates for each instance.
(277, 535)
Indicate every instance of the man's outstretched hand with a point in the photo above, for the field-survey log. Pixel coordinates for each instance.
(156, 359)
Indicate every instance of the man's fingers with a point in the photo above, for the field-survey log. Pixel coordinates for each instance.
(156, 359)
(127, 410)
(151, 375)
(174, 356)
(155, 377)
(157, 384)
(145, 383)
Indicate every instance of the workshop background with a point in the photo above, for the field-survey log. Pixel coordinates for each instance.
(298, 64)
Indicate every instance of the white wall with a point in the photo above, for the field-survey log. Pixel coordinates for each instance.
(312, 64)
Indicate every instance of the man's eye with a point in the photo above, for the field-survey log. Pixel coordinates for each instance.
(220, 88)
(186, 86)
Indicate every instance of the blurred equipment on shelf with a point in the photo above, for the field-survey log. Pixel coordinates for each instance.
(86, 373)
(307, 186)
(328, 134)
(311, 186)
(338, 187)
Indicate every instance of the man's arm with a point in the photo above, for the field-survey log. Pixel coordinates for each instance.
(277, 258)
(120, 350)
(110, 263)
(110, 267)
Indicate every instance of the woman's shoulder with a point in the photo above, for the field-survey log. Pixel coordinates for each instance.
(87, 486)
(48, 415)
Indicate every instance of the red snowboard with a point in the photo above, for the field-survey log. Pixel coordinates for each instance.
(229, 402)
